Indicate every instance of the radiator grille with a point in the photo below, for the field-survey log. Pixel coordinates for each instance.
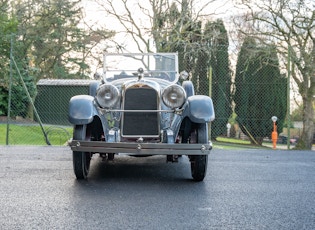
(140, 124)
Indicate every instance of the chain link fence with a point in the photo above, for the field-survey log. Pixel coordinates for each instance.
(34, 111)
(30, 114)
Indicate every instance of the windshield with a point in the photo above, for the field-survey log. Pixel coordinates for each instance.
(155, 65)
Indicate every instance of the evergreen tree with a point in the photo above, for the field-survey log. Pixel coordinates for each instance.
(218, 42)
(180, 34)
(260, 90)
(198, 59)
(199, 51)
(201, 72)
(186, 38)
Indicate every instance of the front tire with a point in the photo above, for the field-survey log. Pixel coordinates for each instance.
(81, 160)
(199, 163)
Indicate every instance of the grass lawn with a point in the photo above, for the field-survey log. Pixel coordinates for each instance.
(33, 135)
(232, 143)
(21, 134)
(233, 140)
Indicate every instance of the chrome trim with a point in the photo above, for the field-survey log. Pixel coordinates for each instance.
(137, 111)
(140, 148)
(174, 54)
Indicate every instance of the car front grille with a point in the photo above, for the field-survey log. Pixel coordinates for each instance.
(140, 124)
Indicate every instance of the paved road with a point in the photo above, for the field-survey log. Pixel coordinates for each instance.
(244, 189)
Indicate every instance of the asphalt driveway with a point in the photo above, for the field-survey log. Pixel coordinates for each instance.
(243, 189)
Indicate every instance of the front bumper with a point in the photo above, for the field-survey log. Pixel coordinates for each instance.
(140, 148)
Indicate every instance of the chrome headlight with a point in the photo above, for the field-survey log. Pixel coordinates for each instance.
(174, 96)
(107, 96)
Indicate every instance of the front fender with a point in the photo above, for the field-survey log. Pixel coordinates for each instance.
(200, 109)
(81, 109)
(189, 88)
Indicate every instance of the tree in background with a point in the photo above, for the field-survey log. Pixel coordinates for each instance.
(260, 90)
(297, 113)
(54, 42)
(155, 25)
(49, 41)
(202, 52)
(8, 26)
(176, 31)
(217, 38)
(290, 25)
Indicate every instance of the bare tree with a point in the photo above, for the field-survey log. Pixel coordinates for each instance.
(291, 26)
(149, 23)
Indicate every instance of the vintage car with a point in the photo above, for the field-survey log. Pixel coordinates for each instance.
(140, 108)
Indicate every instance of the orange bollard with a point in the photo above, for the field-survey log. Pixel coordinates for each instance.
(274, 135)
(274, 138)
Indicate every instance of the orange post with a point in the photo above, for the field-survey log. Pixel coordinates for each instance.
(274, 135)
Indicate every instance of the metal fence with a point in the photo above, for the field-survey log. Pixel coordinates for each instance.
(34, 110)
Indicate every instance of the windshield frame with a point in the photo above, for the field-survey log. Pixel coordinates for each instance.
(155, 65)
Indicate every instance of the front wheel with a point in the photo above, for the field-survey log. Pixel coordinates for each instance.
(81, 160)
(199, 163)
(199, 167)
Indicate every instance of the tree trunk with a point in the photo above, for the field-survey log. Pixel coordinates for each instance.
(256, 140)
(305, 142)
